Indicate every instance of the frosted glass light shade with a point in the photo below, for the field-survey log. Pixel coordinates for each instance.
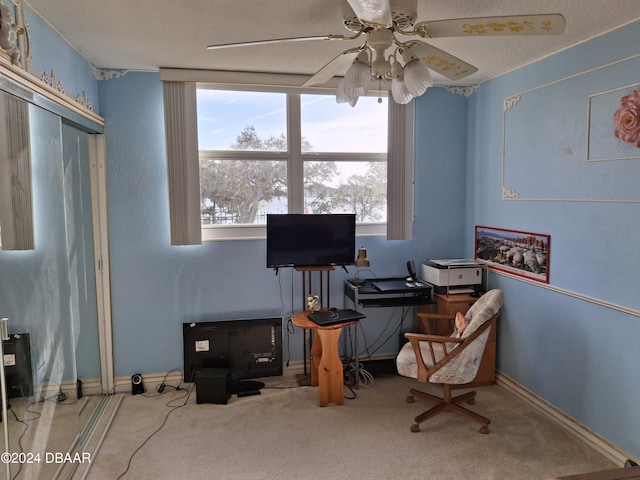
(400, 92)
(417, 77)
(357, 79)
(342, 97)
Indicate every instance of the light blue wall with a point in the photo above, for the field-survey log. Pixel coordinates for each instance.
(575, 353)
(157, 287)
(440, 130)
(50, 53)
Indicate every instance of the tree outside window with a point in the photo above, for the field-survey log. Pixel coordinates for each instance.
(244, 182)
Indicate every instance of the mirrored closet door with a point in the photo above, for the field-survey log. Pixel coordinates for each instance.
(52, 362)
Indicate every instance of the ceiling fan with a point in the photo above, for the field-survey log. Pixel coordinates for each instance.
(406, 64)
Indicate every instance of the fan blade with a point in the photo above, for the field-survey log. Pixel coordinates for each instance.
(552, 24)
(439, 61)
(337, 65)
(276, 40)
(372, 12)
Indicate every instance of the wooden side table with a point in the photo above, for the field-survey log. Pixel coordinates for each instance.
(326, 365)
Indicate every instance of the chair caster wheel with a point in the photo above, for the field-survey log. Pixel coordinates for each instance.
(410, 399)
(484, 429)
(415, 428)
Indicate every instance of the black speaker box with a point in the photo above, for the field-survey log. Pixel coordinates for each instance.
(137, 387)
(213, 385)
(17, 365)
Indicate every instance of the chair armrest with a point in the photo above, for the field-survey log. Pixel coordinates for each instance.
(426, 337)
(415, 338)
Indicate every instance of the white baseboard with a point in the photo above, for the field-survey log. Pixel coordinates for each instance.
(90, 386)
(595, 441)
(152, 381)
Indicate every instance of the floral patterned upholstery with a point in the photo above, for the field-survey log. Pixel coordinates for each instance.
(462, 368)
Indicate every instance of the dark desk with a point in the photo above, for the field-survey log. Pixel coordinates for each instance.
(366, 295)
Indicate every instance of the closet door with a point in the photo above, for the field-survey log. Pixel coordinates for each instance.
(49, 295)
(79, 237)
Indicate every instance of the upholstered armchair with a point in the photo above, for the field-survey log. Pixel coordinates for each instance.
(451, 360)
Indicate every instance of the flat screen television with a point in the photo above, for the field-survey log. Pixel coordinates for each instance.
(250, 348)
(314, 240)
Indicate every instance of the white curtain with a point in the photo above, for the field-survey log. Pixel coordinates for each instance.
(182, 162)
(16, 200)
(400, 171)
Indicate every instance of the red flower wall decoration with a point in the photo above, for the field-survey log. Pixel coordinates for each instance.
(627, 119)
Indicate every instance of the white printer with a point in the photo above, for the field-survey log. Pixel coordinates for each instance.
(454, 275)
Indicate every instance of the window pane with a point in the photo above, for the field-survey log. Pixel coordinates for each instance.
(347, 187)
(232, 120)
(242, 191)
(328, 126)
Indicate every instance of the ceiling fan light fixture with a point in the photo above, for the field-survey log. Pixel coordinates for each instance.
(357, 80)
(400, 92)
(417, 77)
(382, 23)
(343, 97)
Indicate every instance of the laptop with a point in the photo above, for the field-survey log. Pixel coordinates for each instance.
(398, 285)
(335, 316)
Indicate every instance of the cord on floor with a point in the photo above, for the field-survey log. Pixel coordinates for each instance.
(365, 379)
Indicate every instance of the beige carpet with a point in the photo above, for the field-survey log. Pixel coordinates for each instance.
(39, 432)
(283, 434)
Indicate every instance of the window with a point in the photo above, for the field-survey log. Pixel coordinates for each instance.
(313, 155)
(273, 152)
(344, 153)
(243, 152)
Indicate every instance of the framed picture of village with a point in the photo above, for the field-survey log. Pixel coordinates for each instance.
(525, 254)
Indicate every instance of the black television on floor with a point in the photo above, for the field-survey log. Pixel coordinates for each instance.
(250, 348)
(310, 240)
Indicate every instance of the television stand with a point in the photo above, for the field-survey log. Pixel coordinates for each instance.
(324, 273)
(307, 284)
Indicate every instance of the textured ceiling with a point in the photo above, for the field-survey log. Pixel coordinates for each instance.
(149, 34)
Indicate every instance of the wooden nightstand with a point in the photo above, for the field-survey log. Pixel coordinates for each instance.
(452, 304)
(445, 305)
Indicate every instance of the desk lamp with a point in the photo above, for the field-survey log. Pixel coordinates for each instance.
(361, 261)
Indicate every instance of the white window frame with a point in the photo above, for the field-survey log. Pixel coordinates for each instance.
(401, 190)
